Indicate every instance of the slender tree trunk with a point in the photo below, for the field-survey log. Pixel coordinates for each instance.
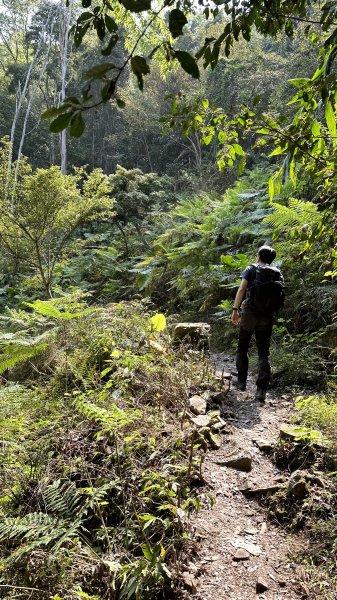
(28, 109)
(65, 14)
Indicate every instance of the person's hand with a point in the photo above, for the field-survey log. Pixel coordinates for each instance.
(235, 317)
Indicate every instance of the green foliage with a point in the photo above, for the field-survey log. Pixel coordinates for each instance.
(320, 412)
(41, 213)
(90, 470)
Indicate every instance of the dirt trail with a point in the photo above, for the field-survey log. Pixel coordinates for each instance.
(236, 521)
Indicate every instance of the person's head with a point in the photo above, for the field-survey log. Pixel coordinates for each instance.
(266, 254)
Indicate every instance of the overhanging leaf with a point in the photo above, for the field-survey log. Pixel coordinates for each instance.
(136, 6)
(139, 67)
(98, 71)
(188, 63)
(77, 125)
(61, 122)
(177, 20)
(330, 119)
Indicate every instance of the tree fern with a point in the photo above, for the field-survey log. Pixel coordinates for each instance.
(296, 214)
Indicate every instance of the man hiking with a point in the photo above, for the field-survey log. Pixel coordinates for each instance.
(259, 296)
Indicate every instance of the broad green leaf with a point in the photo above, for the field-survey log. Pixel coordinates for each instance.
(98, 71)
(106, 371)
(278, 150)
(61, 122)
(99, 25)
(77, 125)
(177, 20)
(239, 150)
(222, 137)
(158, 322)
(330, 119)
(241, 165)
(292, 171)
(52, 112)
(188, 63)
(271, 187)
(299, 82)
(206, 139)
(147, 552)
(315, 129)
(139, 67)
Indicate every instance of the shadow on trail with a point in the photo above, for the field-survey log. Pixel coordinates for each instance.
(241, 410)
(238, 408)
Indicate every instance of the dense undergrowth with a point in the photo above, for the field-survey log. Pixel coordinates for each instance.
(309, 452)
(98, 471)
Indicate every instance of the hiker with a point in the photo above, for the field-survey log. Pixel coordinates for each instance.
(258, 298)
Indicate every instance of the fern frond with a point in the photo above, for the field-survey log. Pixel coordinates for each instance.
(47, 308)
(111, 419)
(63, 500)
(297, 213)
(12, 355)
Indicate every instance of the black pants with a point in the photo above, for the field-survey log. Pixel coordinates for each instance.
(261, 325)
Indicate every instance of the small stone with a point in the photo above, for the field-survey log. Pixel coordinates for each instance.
(197, 405)
(297, 485)
(225, 375)
(201, 420)
(214, 414)
(241, 554)
(240, 463)
(264, 445)
(261, 585)
(287, 432)
(262, 490)
(251, 530)
(217, 397)
(215, 441)
(253, 549)
(189, 582)
(264, 528)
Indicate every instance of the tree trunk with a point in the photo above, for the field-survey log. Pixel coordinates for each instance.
(65, 19)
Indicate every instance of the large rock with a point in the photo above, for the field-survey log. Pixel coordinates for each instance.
(241, 554)
(297, 485)
(197, 405)
(288, 432)
(201, 420)
(240, 463)
(193, 334)
(213, 440)
(267, 489)
(261, 585)
(264, 445)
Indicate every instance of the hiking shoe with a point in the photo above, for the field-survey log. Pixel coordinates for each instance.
(240, 385)
(260, 394)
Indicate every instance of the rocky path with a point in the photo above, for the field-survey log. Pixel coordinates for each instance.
(238, 553)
